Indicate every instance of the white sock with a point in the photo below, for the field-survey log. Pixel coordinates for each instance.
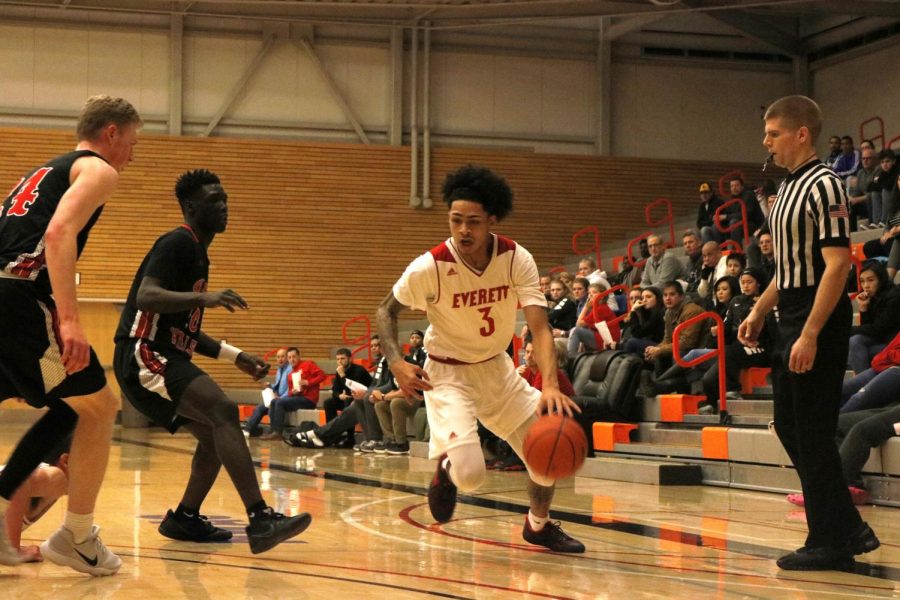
(537, 523)
(79, 525)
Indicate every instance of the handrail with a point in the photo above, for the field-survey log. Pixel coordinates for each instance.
(732, 246)
(363, 339)
(859, 267)
(666, 219)
(733, 226)
(717, 352)
(557, 269)
(880, 136)
(890, 144)
(629, 256)
(727, 177)
(594, 249)
(602, 296)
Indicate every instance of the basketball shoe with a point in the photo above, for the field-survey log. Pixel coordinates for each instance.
(551, 536)
(441, 493)
(269, 528)
(196, 528)
(90, 556)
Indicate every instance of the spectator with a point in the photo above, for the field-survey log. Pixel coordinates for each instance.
(714, 265)
(580, 294)
(691, 243)
(677, 312)
(755, 216)
(645, 325)
(341, 394)
(762, 254)
(879, 316)
(529, 370)
(847, 163)
(396, 408)
(544, 283)
(860, 196)
(866, 144)
(562, 316)
(877, 386)
(834, 151)
(661, 266)
(706, 213)
(883, 186)
(303, 392)
(735, 263)
(585, 332)
(280, 387)
(361, 412)
(587, 268)
(565, 277)
(631, 275)
(765, 195)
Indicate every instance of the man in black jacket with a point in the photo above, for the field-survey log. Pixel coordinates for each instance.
(341, 393)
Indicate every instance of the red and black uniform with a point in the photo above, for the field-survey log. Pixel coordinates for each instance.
(30, 348)
(153, 351)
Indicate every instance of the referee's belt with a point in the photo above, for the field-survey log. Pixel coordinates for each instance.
(452, 361)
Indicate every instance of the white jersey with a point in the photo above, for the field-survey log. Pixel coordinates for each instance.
(472, 314)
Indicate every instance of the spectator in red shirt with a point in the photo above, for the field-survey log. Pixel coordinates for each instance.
(303, 392)
(585, 332)
(529, 370)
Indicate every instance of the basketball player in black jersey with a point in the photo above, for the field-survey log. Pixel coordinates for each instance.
(158, 333)
(45, 357)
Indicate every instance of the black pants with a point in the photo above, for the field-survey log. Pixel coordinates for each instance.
(859, 432)
(332, 406)
(806, 414)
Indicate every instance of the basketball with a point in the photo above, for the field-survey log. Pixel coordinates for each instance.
(555, 446)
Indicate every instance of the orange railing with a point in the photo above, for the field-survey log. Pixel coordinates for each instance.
(890, 144)
(733, 226)
(717, 352)
(668, 218)
(880, 136)
(859, 267)
(726, 178)
(594, 247)
(602, 296)
(363, 339)
(731, 246)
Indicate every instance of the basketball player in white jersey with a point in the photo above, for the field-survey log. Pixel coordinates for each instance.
(470, 286)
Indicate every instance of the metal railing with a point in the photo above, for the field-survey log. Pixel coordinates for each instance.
(880, 136)
(595, 246)
(363, 339)
(668, 218)
(733, 226)
(717, 352)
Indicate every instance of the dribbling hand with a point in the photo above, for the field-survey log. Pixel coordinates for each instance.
(253, 366)
(554, 402)
(411, 379)
(228, 299)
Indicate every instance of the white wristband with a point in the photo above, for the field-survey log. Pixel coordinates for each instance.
(228, 352)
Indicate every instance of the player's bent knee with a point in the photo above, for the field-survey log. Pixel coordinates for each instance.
(541, 480)
(467, 466)
(100, 406)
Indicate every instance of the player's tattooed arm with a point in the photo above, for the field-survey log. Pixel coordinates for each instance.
(411, 379)
(154, 297)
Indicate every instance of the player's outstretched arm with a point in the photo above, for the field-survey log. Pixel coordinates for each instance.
(154, 297)
(411, 379)
(252, 365)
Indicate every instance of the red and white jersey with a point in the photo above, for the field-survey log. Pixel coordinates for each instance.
(472, 313)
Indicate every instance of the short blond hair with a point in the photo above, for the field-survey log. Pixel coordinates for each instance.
(797, 112)
(102, 110)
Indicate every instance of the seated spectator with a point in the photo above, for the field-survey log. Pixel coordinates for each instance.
(630, 275)
(883, 186)
(690, 241)
(677, 379)
(341, 394)
(735, 263)
(847, 163)
(756, 218)
(580, 294)
(762, 254)
(765, 195)
(361, 411)
(677, 312)
(529, 370)
(394, 410)
(706, 212)
(714, 265)
(303, 392)
(587, 268)
(31, 501)
(644, 325)
(586, 332)
(292, 360)
(661, 266)
(562, 316)
(544, 283)
(859, 195)
(834, 151)
(877, 386)
(565, 277)
(879, 316)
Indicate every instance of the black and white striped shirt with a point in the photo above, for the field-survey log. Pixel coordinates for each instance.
(810, 213)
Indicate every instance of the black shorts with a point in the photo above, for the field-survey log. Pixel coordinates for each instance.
(30, 353)
(154, 382)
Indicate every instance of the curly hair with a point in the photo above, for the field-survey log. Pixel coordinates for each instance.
(479, 184)
(190, 182)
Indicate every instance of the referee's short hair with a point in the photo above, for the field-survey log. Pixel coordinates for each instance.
(797, 112)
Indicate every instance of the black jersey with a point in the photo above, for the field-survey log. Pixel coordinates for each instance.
(181, 264)
(26, 213)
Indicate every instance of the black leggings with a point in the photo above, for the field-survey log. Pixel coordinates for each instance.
(860, 431)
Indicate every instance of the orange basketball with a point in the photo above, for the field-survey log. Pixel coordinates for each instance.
(555, 446)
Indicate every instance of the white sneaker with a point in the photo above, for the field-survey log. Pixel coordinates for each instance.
(9, 556)
(90, 556)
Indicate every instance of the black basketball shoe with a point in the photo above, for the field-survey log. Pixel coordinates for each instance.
(269, 528)
(441, 493)
(192, 529)
(553, 537)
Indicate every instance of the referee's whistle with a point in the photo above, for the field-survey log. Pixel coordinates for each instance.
(767, 161)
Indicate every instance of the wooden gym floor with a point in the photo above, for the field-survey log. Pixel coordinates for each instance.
(372, 536)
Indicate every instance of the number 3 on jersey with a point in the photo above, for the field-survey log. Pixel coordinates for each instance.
(28, 193)
(488, 329)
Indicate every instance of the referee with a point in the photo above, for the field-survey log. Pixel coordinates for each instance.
(811, 233)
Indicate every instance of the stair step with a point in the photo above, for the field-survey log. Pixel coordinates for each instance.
(670, 436)
(650, 449)
(634, 470)
(748, 407)
(713, 420)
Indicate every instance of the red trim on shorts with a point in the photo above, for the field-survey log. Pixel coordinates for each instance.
(452, 361)
(148, 357)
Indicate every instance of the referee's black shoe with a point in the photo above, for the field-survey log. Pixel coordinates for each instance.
(863, 539)
(269, 528)
(822, 558)
(441, 493)
(196, 528)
